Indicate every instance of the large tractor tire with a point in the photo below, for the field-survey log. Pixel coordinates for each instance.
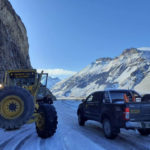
(46, 123)
(16, 107)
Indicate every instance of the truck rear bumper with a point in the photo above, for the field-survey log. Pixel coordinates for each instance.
(132, 125)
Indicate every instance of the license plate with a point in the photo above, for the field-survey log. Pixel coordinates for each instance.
(134, 111)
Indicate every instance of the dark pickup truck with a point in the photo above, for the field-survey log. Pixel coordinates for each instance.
(116, 109)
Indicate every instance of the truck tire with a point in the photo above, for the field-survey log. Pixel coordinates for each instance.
(108, 129)
(16, 107)
(46, 123)
(81, 119)
(144, 132)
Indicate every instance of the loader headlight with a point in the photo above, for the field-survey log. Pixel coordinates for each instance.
(1, 86)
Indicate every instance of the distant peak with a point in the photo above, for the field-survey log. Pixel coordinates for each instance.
(104, 59)
(130, 51)
(54, 78)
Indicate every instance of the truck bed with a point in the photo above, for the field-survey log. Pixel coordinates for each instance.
(139, 111)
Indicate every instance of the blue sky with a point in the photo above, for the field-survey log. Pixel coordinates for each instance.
(70, 34)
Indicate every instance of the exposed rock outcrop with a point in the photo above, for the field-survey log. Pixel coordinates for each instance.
(14, 45)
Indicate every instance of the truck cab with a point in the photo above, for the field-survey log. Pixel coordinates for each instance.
(116, 109)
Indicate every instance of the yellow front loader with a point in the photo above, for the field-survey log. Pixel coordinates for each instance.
(24, 98)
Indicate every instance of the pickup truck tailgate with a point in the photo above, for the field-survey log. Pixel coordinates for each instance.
(139, 111)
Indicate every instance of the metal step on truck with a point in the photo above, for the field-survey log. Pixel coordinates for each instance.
(116, 109)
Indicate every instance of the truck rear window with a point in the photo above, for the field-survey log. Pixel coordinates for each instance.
(118, 96)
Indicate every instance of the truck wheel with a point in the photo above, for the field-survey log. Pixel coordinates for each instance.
(81, 119)
(144, 132)
(108, 129)
(46, 123)
(16, 107)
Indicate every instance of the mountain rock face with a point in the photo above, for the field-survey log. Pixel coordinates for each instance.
(130, 70)
(13, 39)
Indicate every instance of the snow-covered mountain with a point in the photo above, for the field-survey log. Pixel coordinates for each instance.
(52, 81)
(129, 70)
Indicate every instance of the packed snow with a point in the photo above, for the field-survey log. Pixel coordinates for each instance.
(71, 136)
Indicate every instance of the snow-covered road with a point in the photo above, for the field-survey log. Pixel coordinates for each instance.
(70, 136)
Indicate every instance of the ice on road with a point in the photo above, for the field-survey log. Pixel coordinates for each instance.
(70, 136)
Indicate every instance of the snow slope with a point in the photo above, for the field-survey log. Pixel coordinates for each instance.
(129, 70)
(71, 136)
(52, 81)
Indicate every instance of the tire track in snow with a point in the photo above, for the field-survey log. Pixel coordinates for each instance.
(5, 143)
(69, 118)
(2, 145)
(13, 144)
(52, 143)
(32, 143)
(27, 139)
(137, 146)
(18, 147)
(121, 142)
(5, 134)
(15, 139)
(138, 137)
(126, 139)
(135, 139)
(42, 144)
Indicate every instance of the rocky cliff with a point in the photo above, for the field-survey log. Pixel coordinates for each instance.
(13, 39)
(129, 70)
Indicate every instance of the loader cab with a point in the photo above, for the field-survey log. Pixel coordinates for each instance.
(26, 78)
(20, 78)
(44, 79)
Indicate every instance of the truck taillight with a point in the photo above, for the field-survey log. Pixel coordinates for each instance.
(127, 114)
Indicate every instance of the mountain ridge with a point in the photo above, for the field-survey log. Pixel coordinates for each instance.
(52, 81)
(125, 71)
